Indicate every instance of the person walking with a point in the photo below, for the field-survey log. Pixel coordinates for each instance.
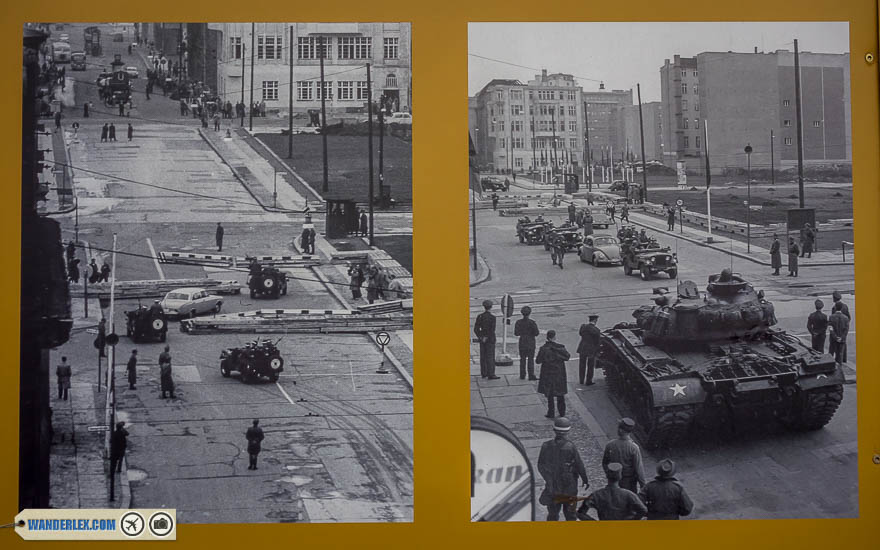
(775, 255)
(494, 201)
(364, 224)
(484, 329)
(111, 132)
(218, 237)
(63, 373)
(624, 214)
(312, 235)
(572, 213)
(166, 379)
(560, 464)
(58, 117)
(130, 131)
(836, 296)
(808, 237)
(817, 326)
(104, 132)
(118, 446)
(839, 329)
(356, 275)
(217, 122)
(105, 272)
(670, 219)
(95, 273)
(131, 369)
(559, 249)
(552, 383)
(588, 350)
(613, 502)
(254, 436)
(664, 496)
(626, 452)
(527, 330)
(793, 252)
(372, 284)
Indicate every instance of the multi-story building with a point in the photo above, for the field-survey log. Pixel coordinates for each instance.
(346, 47)
(745, 96)
(652, 117)
(606, 111)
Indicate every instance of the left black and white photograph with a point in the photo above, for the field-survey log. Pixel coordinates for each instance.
(217, 270)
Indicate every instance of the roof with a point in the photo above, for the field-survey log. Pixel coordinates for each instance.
(499, 82)
(187, 290)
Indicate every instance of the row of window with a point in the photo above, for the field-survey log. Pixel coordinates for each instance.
(543, 126)
(816, 123)
(542, 94)
(269, 46)
(684, 88)
(686, 142)
(545, 110)
(309, 90)
(519, 143)
(684, 105)
(684, 73)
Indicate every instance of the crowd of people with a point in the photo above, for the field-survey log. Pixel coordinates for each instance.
(381, 284)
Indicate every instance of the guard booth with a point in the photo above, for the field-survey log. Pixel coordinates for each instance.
(341, 218)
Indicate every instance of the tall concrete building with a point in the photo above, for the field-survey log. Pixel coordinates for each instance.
(744, 96)
(347, 48)
(652, 116)
(606, 111)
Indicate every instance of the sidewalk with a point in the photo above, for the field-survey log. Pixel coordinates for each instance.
(483, 271)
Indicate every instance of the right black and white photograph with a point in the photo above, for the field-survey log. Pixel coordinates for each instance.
(662, 303)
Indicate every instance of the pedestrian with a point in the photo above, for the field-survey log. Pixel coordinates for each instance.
(131, 368)
(395, 288)
(552, 382)
(262, 108)
(73, 270)
(254, 436)
(104, 130)
(817, 326)
(664, 496)
(613, 502)
(383, 282)
(612, 210)
(527, 330)
(572, 213)
(63, 373)
(218, 237)
(560, 464)
(105, 272)
(372, 284)
(808, 237)
(121, 108)
(166, 379)
(514, 177)
(149, 89)
(626, 452)
(775, 255)
(484, 328)
(130, 131)
(836, 297)
(58, 117)
(793, 252)
(588, 223)
(95, 274)
(216, 122)
(112, 132)
(670, 219)
(588, 350)
(364, 221)
(356, 275)
(101, 340)
(86, 106)
(184, 108)
(304, 240)
(506, 184)
(624, 213)
(118, 445)
(494, 201)
(559, 248)
(312, 235)
(838, 324)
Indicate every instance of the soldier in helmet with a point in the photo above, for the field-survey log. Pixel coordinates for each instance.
(613, 502)
(560, 464)
(817, 326)
(626, 452)
(527, 330)
(484, 329)
(156, 309)
(665, 496)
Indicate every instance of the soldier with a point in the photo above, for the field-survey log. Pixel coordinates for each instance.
(304, 240)
(624, 213)
(643, 237)
(167, 382)
(373, 284)
(111, 132)
(105, 272)
(626, 452)
(817, 326)
(670, 219)
(484, 328)
(775, 255)
(572, 213)
(527, 330)
(588, 349)
(559, 248)
(560, 465)
(494, 201)
(131, 368)
(254, 436)
(218, 237)
(63, 373)
(553, 383)
(588, 223)
(156, 309)
(118, 445)
(665, 496)
(613, 502)
(793, 252)
(70, 251)
(839, 325)
(836, 296)
(130, 131)
(364, 224)
(808, 237)
(95, 273)
(356, 275)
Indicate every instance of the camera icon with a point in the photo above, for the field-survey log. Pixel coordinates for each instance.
(161, 524)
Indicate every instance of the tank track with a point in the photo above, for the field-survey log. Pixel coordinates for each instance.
(671, 426)
(816, 408)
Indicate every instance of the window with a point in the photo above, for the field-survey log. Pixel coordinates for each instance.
(787, 141)
(499, 95)
(786, 123)
(501, 125)
(696, 89)
(518, 162)
(572, 126)
(695, 73)
(235, 47)
(345, 90)
(684, 88)
(270, 90)
(531, 110)
(572, 110)
(355, 47)
(328, 89)
(517, 142)
(684, 105)
(391, 47)
(684, 73)
(786, 103)
(572, 95)
(531, 95)
(697, 142)
(391, 81)
(545, 109)
(502, 143)
(561, 126)
(269, 46)
(516, 109)
(685, 123)
(817, 124)
(516, 95)
(686, 142)
(572, 143)
(696, 123)
(696, 105)
(362, 90)
(309, 47)
(304, 90)
(516, 125)
(545, 94)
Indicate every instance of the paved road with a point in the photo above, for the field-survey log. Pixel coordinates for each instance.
(771, 474)
(338, 441)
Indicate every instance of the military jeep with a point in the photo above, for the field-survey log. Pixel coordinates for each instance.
(146, 325)
(648, 259)
(257, 359)
(267, 282)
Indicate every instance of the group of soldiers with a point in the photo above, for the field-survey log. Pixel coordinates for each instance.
(805, 249)
(381, 285)
(835, 327)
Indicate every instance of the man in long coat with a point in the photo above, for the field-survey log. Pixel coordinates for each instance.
(254, 436)
(808, 237)
(839, 325)
(527, 330)
(552, 383)
(218, 237)
(775, 255)
(588, 349)
(793, 252)
(484, 329)
(63, 373)
(373, 284)
(560, 464)
(167, 382)
(626, 452)
(817, 326)
(665, 496)
(118, 445)
(131, 369)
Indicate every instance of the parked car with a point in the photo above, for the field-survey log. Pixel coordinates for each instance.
(600, 249)
(494, 184)
(132, 71)
(189, 302)
(64, 37)
(399, 118)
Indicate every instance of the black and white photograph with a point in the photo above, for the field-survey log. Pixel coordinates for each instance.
(662, 301)
(217, 270)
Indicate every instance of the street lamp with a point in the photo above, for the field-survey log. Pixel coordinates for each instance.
(748, 151)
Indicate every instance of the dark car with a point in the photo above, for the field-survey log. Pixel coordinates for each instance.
(494, 184)
(257, 359)
(145, 325)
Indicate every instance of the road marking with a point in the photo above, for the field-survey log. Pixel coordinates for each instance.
(155, 259)
(289, 400)
(88, 251)
(351, 372)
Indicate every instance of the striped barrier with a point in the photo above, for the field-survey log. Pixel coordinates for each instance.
(303, 260)
(184, 258)
(286, 321)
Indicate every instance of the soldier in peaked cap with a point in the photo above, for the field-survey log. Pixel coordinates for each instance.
(836, 296)
(817, 326)
(527, 330)
(484, 328)
(613, 502)
(626, 452)
(560, 465)
(665, 496)
(588, 349)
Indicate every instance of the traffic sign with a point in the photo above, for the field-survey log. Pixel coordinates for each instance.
(99, 428)
(112, 339)
(383, 338)
(679, 202)
(756, 207)
(507, 305)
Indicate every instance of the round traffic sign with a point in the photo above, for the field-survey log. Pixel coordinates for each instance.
(383, 338)
(679, 202)
(112, 339)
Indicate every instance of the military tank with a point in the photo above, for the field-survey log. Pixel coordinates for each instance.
(714, 360)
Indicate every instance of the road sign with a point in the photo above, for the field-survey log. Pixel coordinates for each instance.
(383, 338)
(112, 339)
(756, 207)
(99, 428)
(679, 203)
(507, 305)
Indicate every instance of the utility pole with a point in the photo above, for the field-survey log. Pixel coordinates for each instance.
(587, 160)
(325, 185)
(290, 97)
(381, 155)
(534, 156)
(800, 144)
(474, 220)
(243, 63)
(708, 181)
(370, 145)
(555, 158)
(251, 108)
(748, 151)
(644, 193)
(179, 54)
(772, 163)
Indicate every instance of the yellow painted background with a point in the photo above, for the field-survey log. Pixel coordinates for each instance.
(440, 164)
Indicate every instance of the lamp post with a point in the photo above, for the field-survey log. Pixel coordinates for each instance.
(748, 151)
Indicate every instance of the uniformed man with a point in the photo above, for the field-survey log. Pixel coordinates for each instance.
(572, 212)
(527, 330)
(553, 382)
(665, 496)
(613, 502)
(484, 328)
(839, 325)
(588, 349)
(626, 452)
(643, 237)
(131, 369)
(165, 377)
(817, 326)
(218, 237)
(560, 464)
(588, 223)
(775, 255)
(494, 201)
(836, 296)
(624, 213)
(670, 219)
(559, 250)
(254, 436)
(156, 309)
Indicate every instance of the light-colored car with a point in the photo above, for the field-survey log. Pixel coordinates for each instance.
(64, 37)
(600, 249)
(399, 118)
(132, 71)
(189, 302)
(600, 218)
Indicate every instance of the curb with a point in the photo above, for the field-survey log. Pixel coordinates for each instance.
(315, 195)
(487, 271)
